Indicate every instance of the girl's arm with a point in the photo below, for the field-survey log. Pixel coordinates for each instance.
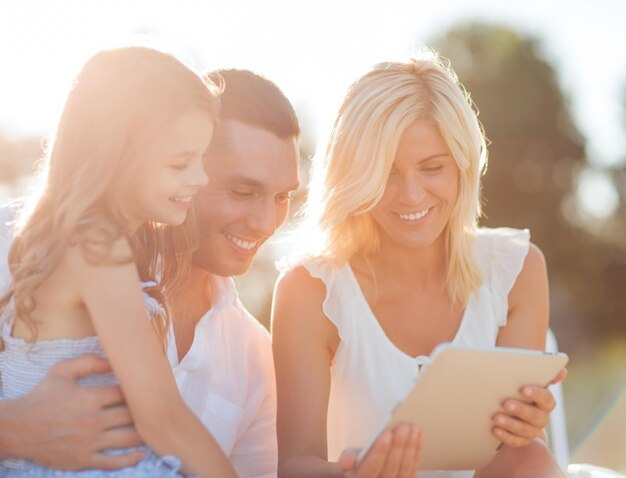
(114, 300)
(304, 341)
(527, 326)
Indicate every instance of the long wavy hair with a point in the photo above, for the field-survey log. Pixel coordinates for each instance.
(350, 178)
(120, 100)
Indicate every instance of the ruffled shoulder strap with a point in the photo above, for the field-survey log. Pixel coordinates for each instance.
(336, 304)
(501, 254)
(153, 306)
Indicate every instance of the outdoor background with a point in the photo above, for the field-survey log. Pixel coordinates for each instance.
(549, 79)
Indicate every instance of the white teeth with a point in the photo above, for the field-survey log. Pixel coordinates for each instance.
(182, 199)
(414, 216)
(241, 243)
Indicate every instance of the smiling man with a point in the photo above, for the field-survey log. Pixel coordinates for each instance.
(223, 362)
(221, 356)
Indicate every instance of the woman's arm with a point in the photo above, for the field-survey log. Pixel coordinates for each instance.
(527, 326)
(304, 342)
(114, 300)
(529, 307)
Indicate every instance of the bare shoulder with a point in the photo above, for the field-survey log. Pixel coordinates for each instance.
(118, 251)
(111, 264)
(298, 281)
(534, 267)
(298, 307)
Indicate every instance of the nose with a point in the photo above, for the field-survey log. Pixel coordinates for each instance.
(263, 220)
(412, 190)
(197, 174)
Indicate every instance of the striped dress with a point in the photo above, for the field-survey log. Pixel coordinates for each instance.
(23, 365)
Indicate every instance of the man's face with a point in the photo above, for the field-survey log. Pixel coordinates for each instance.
(252, 174)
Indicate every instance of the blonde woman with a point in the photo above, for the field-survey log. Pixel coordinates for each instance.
(400, 267)
(126, 160)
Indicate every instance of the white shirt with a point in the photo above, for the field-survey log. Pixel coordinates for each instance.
(369, 374)
(226, 378)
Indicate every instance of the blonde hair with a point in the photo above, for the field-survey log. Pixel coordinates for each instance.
(349, 180)
(120, 100)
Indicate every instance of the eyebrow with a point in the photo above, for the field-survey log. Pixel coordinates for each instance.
(183, 154)
(433, 156)
(254, 183)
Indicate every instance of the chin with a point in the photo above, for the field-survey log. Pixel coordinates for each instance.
(238, 270)
(221, 267)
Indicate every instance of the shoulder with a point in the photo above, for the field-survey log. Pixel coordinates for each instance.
(97, 252)
(535, 258)
(311, 274)
(502, 238)
(501, 252)
(300, 284)
(302, 310)
(534, 270)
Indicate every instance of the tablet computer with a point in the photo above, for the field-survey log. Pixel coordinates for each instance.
(458, 393)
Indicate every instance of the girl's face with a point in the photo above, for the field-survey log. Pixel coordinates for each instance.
(170, 172)
(421, 190)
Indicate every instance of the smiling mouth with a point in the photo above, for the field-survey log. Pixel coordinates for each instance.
(241, 243)
(181, 199)
(414, 216)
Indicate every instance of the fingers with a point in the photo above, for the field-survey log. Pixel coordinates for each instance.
(410, 459)
(108, 396)
(78, 367)
(514, 432)
(395, 454)
(562, 375)
(120, 438)
(111, 462)
(542, 397)
(347, 460)
(401, 436)
(115, 417)
(522, 422)
(374, 461)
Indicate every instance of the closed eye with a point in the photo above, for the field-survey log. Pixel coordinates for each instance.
(242, 194)
(178, 167)
(432, 169)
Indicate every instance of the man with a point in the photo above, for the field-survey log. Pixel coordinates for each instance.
(220, 355)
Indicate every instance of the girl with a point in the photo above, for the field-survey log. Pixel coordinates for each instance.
(402, 267)
(127, 158)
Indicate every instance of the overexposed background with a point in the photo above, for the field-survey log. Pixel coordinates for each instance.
(314, 49)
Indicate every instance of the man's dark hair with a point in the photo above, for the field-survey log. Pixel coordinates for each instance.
(256, 101)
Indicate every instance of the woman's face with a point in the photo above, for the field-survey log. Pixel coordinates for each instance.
(421, 190)
(170, 171)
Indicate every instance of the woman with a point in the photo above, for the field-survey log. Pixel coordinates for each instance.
(401, 266)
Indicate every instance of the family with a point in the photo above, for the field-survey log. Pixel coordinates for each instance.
(125, 349)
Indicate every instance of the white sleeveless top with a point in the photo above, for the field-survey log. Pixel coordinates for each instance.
(369, 374)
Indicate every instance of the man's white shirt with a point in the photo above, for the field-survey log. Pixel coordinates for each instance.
(226, 377)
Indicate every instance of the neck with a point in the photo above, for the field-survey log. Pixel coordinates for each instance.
(188, 306)
(193, 299)
(419, 267)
